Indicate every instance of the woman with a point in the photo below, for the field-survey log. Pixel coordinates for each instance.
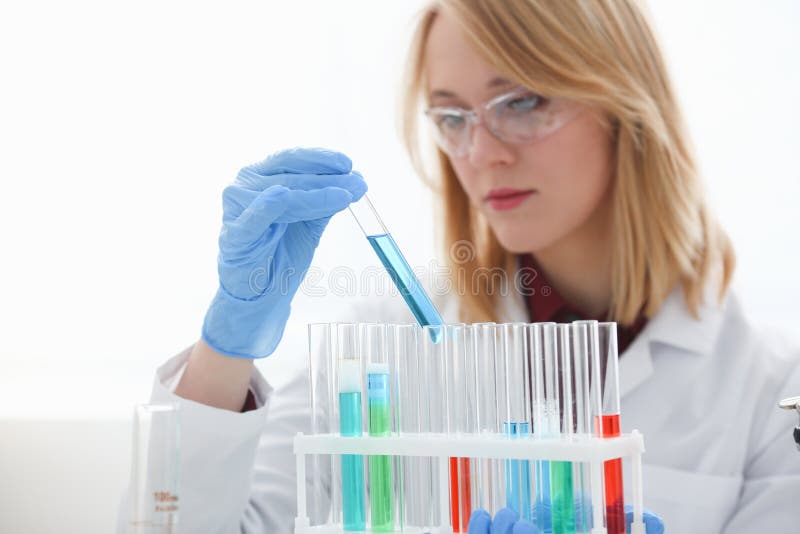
(560, 147)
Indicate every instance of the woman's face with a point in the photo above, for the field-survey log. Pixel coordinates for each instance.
(534, 195)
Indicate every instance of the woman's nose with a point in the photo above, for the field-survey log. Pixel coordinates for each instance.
(487, 151)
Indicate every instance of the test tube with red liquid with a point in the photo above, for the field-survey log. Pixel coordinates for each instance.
(605, 376)
(460, 419)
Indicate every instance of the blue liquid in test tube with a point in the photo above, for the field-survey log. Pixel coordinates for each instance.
(518, 474)
(396, 265)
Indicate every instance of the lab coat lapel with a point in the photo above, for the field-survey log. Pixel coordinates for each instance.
(635, 364)
(673, 326)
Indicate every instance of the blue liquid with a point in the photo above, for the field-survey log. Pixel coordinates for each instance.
(518, 475)
(353, 509)
(543, 510)
(405, 280)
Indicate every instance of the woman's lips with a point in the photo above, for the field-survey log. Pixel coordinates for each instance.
(506, 198)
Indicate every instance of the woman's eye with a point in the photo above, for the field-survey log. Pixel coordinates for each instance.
(450, 122)
(524, 103)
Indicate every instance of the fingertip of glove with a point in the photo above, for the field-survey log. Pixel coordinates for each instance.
(299, 160)
(525, 527)
(360, 188)
(479, 522)
(504, 521)
(340, 161)
(339, 197)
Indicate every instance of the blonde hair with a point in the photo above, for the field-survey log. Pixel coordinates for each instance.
(602, 53)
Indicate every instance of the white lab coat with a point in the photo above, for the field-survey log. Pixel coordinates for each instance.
(719, 453)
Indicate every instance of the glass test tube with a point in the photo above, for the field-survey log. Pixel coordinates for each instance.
(350, 424)
(379, 407)
(607, 363)
(433, 405)
(153, 493)
(396, 265)
(460, 417)
(561, 481)
(324, 499)
(541, 422)
(583, 423)
(489, 485)
(517, 421)
(405, 359)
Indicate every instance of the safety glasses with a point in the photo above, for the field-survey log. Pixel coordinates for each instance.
(519, 116)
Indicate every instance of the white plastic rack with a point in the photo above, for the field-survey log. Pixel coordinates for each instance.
(590, 450)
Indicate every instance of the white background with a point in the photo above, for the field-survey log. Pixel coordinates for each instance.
(121, 122)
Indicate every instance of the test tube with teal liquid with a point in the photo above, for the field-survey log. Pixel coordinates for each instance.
(350, 424)
(396, 265)
(379, 410)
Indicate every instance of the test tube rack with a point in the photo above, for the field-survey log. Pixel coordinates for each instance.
(454, 393)
(585, 449)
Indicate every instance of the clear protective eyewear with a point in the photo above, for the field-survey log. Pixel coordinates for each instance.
(519, 116)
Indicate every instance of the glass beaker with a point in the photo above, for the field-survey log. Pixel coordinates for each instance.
(153, 495)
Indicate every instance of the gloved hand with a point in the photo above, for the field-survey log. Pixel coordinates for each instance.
(274, 214)
(507, 521)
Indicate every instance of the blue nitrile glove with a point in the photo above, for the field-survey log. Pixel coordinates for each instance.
(652, 523)
(507, 521)
(274, 214)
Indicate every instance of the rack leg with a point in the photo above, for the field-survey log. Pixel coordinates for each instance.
(301, 522)
(444, 494)
(637, 526)
(598, 500)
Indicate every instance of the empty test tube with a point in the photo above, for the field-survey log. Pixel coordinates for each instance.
(585, 405)
(489, 471)
(404, 357)
(396, 265)
(324, 500)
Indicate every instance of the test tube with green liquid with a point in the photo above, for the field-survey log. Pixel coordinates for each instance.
(381, 477)
(350, 387)
(559, 394)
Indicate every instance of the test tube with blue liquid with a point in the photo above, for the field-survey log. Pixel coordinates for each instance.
(517, 421)
(350, 424)
(396, 265)
(541, 424)
(379, 409)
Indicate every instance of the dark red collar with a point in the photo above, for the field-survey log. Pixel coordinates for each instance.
(545, 305)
